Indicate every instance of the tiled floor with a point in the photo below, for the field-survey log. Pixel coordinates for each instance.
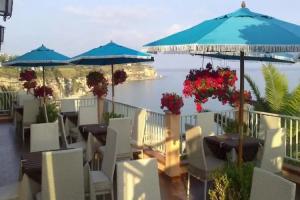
(9, 169)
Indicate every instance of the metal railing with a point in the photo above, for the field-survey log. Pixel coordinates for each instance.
(254, 127)
(6, 101)
(154, 135)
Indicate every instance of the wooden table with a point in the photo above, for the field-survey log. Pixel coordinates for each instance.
(32, 165)
(72, 116)
(223, 144)
(98, 130)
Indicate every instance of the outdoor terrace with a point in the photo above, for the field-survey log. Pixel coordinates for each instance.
(11, 150)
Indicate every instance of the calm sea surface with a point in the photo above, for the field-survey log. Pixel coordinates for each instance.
(174, 68)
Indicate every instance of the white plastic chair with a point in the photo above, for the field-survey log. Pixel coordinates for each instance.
(138, 179)
(68, 105)
(62, 175)
(101, 182)
(139, 124)
(23, 96)
(269, 186)
(268, 122)
(30, 112)
(273, 150)
(124, 127)
(44, 137)
(206, 121)
(65, 143)
(200, 165)
(87, 115)
(23, 190)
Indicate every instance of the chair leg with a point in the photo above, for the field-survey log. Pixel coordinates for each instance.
(205, 189)
(188, 187)
(23, 135)
(112, 193)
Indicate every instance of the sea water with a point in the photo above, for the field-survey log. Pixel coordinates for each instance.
(174, 68)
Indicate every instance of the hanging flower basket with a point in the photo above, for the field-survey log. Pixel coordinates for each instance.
(172, 102)
(29, 78)
(219, 83)
(120, 77)
(98, 84)
(39, 91)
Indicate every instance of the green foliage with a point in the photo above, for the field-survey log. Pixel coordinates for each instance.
(108, 115)
(277, 97)
(232, 182)
(52, 113)
(232, 126)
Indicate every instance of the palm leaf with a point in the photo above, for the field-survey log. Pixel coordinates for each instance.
(292, 105)
(276, 89)
(254, 87)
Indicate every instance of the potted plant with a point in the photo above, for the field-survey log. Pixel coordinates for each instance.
(232, 182)
(172, 101)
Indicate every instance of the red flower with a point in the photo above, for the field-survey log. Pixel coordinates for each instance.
(98, 83)
(39, 91)
(207, 83)
(29, 77)
(172, 102)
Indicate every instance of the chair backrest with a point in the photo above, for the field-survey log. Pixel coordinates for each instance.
(268, 122)
(269, 186)
(44, 137)
(88, 115)
(30, 111)
(68, 105)
(23, 96)
(110, 153)
(195, 148)
(138, 179)
(207, 123)
(124, 127)
(27, 188)
(139, 124)
(62, 131)
(62, 175)
(274, 150)
(92, 146)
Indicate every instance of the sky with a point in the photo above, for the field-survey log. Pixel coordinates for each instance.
(74, 26)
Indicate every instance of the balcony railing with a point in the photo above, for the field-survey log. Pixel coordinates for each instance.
(155, 127)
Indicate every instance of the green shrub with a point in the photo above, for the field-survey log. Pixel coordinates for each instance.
(232, 182)
(52, 113)
(108, 115)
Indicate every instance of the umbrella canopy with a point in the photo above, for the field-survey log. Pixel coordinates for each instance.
(109, 54)
(242, 32)
(41, 56)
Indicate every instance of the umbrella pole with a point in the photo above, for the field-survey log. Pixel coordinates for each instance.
(112, 88)
(241, 108)
(44, 97)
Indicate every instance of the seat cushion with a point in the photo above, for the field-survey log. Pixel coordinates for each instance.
(9, 192)
(212, 164)
(100, 181)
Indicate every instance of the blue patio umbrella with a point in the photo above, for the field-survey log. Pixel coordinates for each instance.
(40, 57)
(239, 33)
(111, 54)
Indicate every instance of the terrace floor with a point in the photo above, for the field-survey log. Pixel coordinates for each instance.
(10, 150)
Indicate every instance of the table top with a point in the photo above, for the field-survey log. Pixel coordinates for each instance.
(232, 140)
(98, 130)
(222, 144)
(72, 116)
(32, 165)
